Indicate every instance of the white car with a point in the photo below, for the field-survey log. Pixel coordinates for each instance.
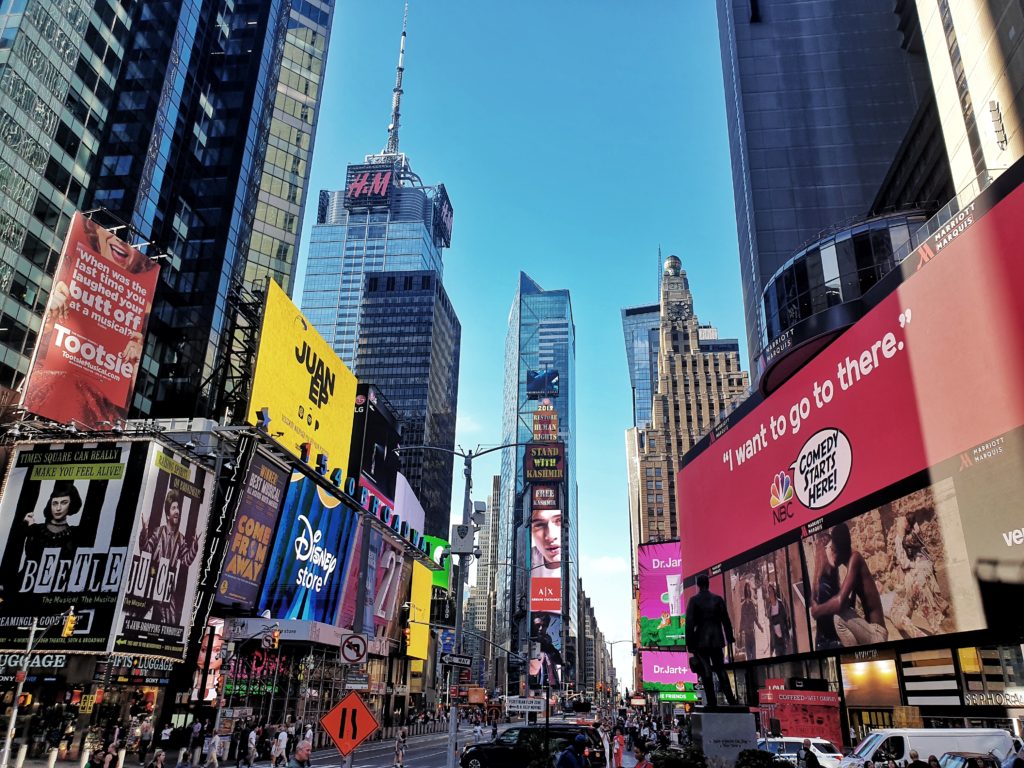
(786, 747)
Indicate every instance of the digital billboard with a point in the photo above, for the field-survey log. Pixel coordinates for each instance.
(890, 461)
(374, 458)
(545, 543)
(667, 671)
(67, 520)
(544, 497)
(248, 547)
(93, 330)
(419, 612)
(545, 423)
(542, 384)
(443, 217)
(157, 601)
(662, 614)
(311, 555)
(442, 603)
(546, 663)
(303, 386)
(544, 463)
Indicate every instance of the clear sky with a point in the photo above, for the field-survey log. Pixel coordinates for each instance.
(574, 137)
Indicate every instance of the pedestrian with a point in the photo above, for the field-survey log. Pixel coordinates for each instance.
(643, 762)
(805, 757)
(619, 746)
(159, 757)
(478, 732)
(572, 756)
(279, 748)
(916, 761)
(145, 739)
(213, 752)
(494, 729)
(300, 758)
(165, 737)
(400, 743)
(251, 744)
(308, 736)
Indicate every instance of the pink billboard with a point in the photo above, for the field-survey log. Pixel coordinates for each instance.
(667, 670)
(662, 613)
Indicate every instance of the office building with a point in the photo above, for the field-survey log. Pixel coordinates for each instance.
(386, 230)
(481, 601)
(540, 346)
(640, 326)
(819, 98)
(409, 343)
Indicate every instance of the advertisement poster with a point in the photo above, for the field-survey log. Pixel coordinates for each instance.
(389, 565)
(248, 547)
(93, 330)
(544, 463)
(67, 519)
(545, 649)
(899, 571)
(545, 422)
(206, 678)
(419, 612)
(546, 594)
(667, 671)
(305, 388)
(442, 603)
(311, 555)
(156, 611)
(880, 404)
(546, 543)
(662, 613)
(544, 497)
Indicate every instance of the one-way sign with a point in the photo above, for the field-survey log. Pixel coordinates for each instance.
(456, 661)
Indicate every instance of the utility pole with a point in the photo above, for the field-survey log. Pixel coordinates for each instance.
(22, 673)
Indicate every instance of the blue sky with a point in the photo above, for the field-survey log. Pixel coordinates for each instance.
(573, 137)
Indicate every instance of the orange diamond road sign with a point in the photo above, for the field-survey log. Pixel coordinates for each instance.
(350, 723)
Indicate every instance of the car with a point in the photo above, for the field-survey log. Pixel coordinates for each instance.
(516, 746)
(968, 760)
(786, 747)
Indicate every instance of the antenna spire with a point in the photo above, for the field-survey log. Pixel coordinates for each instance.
(396, 99)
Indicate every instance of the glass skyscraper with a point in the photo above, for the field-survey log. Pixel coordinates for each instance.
(641, 327)
(541, 336)
(374, 290)
(409, 345)
(192, 123)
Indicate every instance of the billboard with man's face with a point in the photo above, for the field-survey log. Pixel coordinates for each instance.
(93, 331)
(67, 520)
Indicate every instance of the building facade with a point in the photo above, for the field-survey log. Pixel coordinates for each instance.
(541, 337)
(409, 347)
(699, 377)
(819, 98)
(640, 326)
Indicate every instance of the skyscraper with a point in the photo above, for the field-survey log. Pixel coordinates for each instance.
(540, 346)
(698, 377)
(819, 98)
(640, 327)
(383, 235)
(192, 124)
(409, 347)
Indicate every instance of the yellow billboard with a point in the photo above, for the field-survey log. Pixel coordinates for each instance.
(308, 393)
(419, 611)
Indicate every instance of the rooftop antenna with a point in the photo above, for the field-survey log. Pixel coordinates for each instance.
(396, 99)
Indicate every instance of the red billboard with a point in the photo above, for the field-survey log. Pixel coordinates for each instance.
(93, 330)
(367, 185)
(544, 463)
(932, 371)
(860, 495)
(546, 593)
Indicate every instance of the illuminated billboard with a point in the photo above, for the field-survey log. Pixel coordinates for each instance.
(888, 466)
(419, 611)
(443, 217)
(367, 185)
(302, 385)
(311, 555)
(545, 422)
(373, 458)
(542, 384)
(667, 671)
(93, 330)
(248, 548)
(661, 608)
(544, 463)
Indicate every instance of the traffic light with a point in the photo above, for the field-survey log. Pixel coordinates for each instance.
(275, 638)
(70, 622)
(407, 634)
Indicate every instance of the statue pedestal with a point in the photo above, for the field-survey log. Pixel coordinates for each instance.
(722, 734)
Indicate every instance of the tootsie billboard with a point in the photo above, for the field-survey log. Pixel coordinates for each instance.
(887, 466)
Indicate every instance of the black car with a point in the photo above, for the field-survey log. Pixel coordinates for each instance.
(516, 746)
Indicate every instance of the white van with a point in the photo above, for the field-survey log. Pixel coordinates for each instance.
(786, 748)
(896, 743)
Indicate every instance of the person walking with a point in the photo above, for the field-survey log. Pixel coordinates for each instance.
(572, 756)
(619, 746)
(478, 733)
(279, 748)
(805, 756)
(145, 739)
(159, 757)
(251, 743)
(300, 758)
(213, 752)
(400, 743)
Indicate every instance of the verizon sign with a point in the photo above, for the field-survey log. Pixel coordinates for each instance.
(367, 185)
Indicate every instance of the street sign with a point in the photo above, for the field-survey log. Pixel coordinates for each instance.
(447, 641)
(349, 724)
(456, 661)
(353, 648)
(520, 704)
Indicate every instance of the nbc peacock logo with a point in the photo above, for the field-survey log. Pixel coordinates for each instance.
(782, 490)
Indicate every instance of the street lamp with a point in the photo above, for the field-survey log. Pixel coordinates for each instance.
(611, 644)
